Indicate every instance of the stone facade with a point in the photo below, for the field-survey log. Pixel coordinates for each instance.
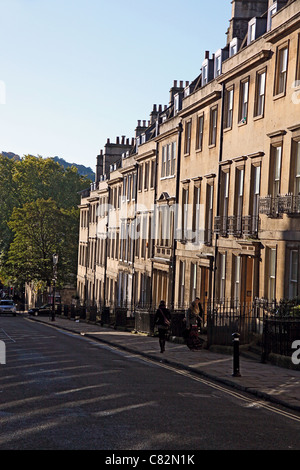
(205, 199)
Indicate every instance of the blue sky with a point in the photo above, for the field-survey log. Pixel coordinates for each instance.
(76, 72)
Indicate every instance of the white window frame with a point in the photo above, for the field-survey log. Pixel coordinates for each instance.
(260, 93)
(293, 269)
(282, 59)
(244, 101)
(218, 64)
(272, 254)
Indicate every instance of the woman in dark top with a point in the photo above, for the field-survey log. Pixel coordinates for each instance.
(163, 320)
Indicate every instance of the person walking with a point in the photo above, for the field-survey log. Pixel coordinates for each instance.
(163, 320)
(194, 318)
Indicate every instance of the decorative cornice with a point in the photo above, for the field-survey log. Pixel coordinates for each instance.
(276, 133)
(211, 97)
(249, 63)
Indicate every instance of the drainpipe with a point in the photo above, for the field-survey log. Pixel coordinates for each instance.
(218, 190)
(176, 215)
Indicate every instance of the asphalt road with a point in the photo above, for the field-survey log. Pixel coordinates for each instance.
(62, 391)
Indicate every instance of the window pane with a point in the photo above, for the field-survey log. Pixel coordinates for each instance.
(277, 163)
(294, 265)
(282, 70)
(298, 159)
(272, 262)
(293, 288)
(256, 179)
(260, 93)
(200, 132)
(173, 160)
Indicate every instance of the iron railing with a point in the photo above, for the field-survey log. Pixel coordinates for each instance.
(279, 334)
(247, 225)
(282, 204)
(276, 324)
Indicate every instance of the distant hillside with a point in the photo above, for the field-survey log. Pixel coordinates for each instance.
(11, 155)
(82, 170)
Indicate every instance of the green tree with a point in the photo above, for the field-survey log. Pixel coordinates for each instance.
(41, 229)
(38, 216)
(8, 200)
(37, 177)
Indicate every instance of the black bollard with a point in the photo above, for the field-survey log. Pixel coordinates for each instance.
(236, 355)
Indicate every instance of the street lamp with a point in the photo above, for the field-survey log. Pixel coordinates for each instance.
(55, 261)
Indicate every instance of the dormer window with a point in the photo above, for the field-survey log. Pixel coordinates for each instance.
(218, 65)
(186, 91)
(256, 28)
(177, 103)
(271, 11)
(251, 31)
(220, 56)
(204, 75)
(233, 47)
(207, 71)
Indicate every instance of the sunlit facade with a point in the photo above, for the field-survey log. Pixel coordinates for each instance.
(205, 199)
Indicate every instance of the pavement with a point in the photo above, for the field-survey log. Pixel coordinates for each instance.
(266, 381)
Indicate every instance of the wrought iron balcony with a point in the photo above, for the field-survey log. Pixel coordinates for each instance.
(237, 226)
(221, 226)
(276, 206)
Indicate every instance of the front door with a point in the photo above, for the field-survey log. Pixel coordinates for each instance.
(247, 280)
(205, 283)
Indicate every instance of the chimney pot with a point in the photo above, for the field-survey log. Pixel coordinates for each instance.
(206, 54)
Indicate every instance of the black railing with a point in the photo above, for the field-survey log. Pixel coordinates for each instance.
(225, 317)
(275, 324)
(247, 225)
(279, 335)
(276, 206)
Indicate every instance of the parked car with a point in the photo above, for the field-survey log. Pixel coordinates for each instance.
(8, 306)
(43, 310)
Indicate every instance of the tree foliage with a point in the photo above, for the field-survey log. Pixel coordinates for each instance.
(8, 200)
(38, 217)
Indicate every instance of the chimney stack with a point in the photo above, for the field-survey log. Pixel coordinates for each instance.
(175, 89)
(242, 12)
